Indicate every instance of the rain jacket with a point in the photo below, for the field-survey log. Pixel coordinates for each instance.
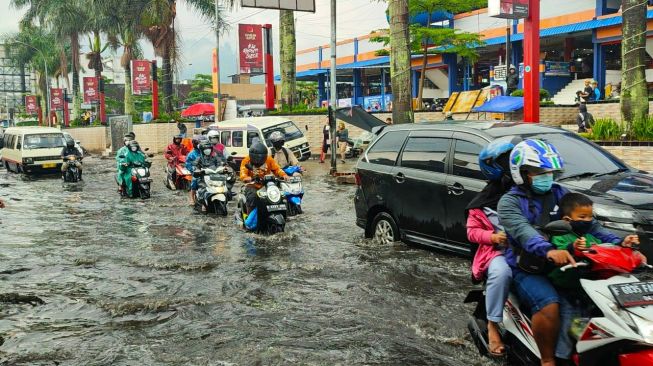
(176, 151)
(190, 159)
(479, 231)
(220, 151)
(519, 214)
(122, 151)
(270, 167)
(124, 172)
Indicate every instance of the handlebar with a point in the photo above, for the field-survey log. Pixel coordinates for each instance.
(570, 266)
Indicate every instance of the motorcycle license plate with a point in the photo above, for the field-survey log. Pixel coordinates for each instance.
(633, 294)
(51, 165)
(276, 207)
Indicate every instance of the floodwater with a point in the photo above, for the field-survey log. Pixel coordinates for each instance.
(130, 282)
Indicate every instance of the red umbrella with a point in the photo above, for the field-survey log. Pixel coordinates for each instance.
(199, 109)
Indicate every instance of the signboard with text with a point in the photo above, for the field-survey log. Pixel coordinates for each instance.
(31, 104)
(91, 90)
(141, 77)
(56, 99)
(296, 5)
(508, 9)
(552, 68)
(251, 48)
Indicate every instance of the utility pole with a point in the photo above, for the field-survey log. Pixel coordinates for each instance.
(333, 85)
(218, 116)
(508, 44)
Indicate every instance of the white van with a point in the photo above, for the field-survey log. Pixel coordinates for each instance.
(32, 149)
(239, 134)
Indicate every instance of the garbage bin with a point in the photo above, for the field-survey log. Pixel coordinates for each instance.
(198, 123)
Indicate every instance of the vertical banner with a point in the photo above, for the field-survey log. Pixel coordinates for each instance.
(508, 9)
(91, 90)
(31, 104)
(56, 99)
(214, 75)
(251, 48)
(141, 77)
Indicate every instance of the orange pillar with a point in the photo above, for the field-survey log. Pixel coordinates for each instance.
(532, 63)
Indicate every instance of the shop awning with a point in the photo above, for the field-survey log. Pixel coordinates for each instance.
(501, 105)
(565, 29)
(308, 74)
(377, 62)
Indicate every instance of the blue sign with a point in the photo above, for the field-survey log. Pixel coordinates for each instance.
(377, 103)
(552, 68)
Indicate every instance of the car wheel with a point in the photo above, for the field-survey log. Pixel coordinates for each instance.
(385, 230)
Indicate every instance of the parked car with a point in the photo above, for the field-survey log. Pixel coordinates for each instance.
(414, 182)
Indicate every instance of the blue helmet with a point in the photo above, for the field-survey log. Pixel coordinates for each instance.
(488, 159)
(535, 155)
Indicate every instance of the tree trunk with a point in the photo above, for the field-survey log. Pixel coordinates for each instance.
(129, 98)
(74, 49)
(634, 91)
(400, 62)
(288, 51)
(167, 81)
(422, 76)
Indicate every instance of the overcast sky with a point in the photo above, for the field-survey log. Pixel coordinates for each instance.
(355, 18)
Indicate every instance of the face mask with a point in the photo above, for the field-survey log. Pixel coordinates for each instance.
(581, 227)
(207, 151)
(134, 149)
(542, 183)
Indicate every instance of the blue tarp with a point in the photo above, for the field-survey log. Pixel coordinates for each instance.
(501, 105)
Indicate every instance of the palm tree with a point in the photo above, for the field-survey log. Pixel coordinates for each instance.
(400, 62)
(634, 90)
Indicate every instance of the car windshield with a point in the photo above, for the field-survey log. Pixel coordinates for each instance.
(290, 131)
(581, 157)
(43, 141)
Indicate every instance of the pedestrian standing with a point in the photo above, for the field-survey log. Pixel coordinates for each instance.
(512, 81)
(326, 133)
(183, 130)
(584, 120)
(343, 137)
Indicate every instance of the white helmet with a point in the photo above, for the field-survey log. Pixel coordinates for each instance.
(536, 155)
(213, 134)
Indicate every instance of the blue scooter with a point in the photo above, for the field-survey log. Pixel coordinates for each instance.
(293, 190)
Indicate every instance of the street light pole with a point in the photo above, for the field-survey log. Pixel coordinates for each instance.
(217, 59)
(333, 85)
(47, 82)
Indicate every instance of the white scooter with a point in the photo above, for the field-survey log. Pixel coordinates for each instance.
(215, 189)
(619, 331)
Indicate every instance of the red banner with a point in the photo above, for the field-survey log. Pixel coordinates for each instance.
(91, 90)
(56, 99)
(141, 77)
(251, 48)
(509, 9)
(31, 104)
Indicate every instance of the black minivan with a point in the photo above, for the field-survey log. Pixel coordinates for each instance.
(415, 180)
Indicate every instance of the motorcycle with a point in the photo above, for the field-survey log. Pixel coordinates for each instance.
(141, 181)
(177, 176)
(72, 173)
(269, 215)
(620, 329)
(293, 190)
(215, 189)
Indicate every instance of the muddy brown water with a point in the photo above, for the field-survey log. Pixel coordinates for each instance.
(130, 282)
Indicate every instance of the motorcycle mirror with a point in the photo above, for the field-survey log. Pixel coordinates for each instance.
(121, 156)
(233, 153)
(560, 227)
(150, 155)
(146, 149)
(77, 142)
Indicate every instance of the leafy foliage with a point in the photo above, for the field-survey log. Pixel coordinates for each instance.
(544, 94)
(201, 90)
(606, 129)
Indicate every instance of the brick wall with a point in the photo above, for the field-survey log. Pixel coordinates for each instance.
(609, 110)
(637, 157)
(556, 116)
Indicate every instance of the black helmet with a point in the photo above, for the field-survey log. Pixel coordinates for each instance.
(70, 142)
(204, 147)
(277, 139)
(133, 146)
(177, 139)
(258, 154)
(197, 139)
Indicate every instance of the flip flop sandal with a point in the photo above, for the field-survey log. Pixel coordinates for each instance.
(492, 350)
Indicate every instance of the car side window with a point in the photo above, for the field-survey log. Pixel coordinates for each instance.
(426, 153)
(237, 138)
(386, 150)
(251, 136)
(225, 138)
(465, 160)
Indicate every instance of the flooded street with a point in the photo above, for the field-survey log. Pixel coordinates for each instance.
(130, 282)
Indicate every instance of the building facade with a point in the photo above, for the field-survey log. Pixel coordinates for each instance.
(580, 39)
(15, 83)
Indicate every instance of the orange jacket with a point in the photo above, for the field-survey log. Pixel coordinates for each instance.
(270, 167)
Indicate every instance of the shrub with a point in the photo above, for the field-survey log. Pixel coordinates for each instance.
(544, 94)
(299, 111)
(607, 129)
(27, 123)
(641, 129)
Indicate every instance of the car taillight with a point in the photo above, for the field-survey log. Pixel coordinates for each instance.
(358, 179)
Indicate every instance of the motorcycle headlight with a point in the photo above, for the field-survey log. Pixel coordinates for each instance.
(261, 194)
(274, 194)
(141, 171)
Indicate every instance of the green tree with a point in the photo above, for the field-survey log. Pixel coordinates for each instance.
(634, 90)
(201, 90)
(288, 52)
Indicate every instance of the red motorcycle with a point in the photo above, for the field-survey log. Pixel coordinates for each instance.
(177, 176)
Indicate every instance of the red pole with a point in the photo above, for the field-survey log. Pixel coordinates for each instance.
(103, 112)
(155, 91)
(66, 114)
(532, 63)
(270, 94)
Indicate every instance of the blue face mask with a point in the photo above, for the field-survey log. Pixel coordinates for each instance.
(542, 183)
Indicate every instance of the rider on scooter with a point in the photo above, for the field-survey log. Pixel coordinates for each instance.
(175, 151)
(280, 153)
(130, 136)
(133, 155)
(257, 165)
(201, 157)
(69, 150)
(219, 150)
(531, 205)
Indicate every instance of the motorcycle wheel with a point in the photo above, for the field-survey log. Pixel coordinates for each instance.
(144, 193)
(275, 229)
(221, 208)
